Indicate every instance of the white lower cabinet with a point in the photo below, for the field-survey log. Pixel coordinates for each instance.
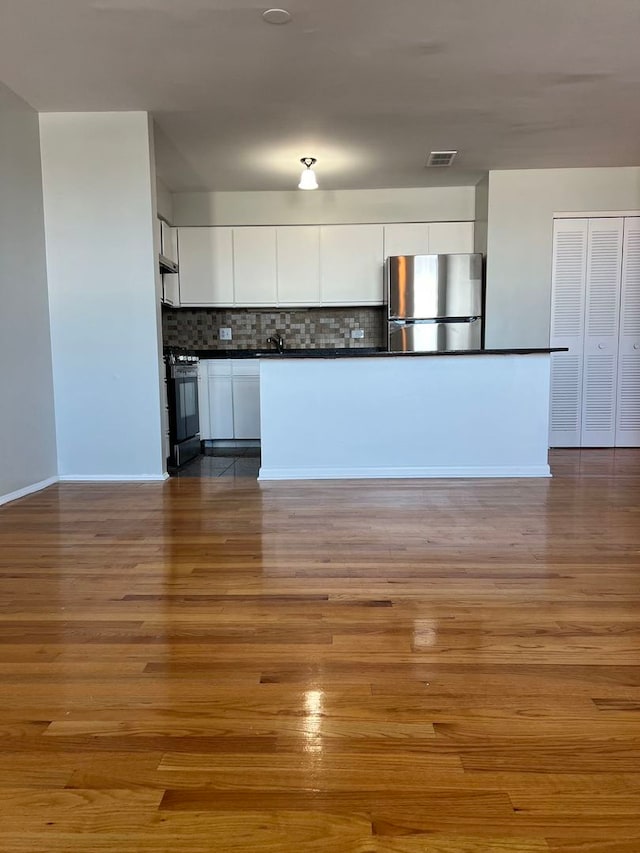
(229, 399)
(246, 407)
(203, 402)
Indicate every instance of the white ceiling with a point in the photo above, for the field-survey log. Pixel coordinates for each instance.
(366, 86)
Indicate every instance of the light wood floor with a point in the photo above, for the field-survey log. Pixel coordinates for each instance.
(355, 667)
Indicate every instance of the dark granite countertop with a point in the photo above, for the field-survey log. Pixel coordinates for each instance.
(319, 352)
(371, 352)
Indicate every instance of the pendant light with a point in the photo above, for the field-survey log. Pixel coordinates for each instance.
(308, 180)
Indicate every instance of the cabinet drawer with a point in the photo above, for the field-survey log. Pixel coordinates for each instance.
(245, 366)
(218, 366)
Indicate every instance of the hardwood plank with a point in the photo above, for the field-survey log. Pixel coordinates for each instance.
(457, 805)
(271, 839)
(349, 667)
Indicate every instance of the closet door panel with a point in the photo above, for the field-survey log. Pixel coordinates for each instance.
(570, 238)
(602, 312)
(628, 389)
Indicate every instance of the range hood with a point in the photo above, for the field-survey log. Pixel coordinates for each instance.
(166, 265)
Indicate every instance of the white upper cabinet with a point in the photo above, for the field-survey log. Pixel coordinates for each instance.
(428, 238)
(254, 263)
(449, 238)
(303, 264)
(298, 254)
(351, 258)
(171, 289)
(206, 266)
(169, 242)
(406, 238)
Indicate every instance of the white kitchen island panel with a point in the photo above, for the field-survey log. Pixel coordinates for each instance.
(483, 415)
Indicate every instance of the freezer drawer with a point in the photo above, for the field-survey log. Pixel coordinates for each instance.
(427, 286)
(435, 337)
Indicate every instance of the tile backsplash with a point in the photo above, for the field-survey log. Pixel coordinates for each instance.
(197, 328)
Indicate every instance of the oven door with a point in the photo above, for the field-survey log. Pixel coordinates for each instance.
(187, 417)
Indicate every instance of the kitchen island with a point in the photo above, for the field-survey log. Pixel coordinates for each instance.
(480, 413)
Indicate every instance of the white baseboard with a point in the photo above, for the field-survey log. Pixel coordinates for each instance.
(28, 490)
(402, 473)
(113, 478)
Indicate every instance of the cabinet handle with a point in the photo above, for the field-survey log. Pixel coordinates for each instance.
(636, 346)
(600, 346)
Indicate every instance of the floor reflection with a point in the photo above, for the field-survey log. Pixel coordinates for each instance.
(224, 462)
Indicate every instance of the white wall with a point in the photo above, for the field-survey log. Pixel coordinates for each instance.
(164, 201)
(99, 190)
(27, 426)
(481, 216)
(444, 204)
(519, 244)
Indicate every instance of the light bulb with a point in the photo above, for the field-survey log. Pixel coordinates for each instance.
(308, 180)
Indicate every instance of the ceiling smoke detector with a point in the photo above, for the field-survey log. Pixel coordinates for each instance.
(441, 158)
(276, 16)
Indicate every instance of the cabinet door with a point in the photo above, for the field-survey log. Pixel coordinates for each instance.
(602, 315)
(246, 407)
(166, 438)
(628, 397)
(171, 289)
(298, 263)
(450, 237)
(206, 266)
(408, 238)
(254, 263)
(570, 237)
(169, 242)
(157, 236)
(221, 407)
(351, 264)
(203, 402)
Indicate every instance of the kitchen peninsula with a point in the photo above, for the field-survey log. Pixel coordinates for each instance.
(474, 413)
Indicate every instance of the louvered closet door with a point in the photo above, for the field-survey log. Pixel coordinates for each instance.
(570, 238)
(602, 313)
(628, 409)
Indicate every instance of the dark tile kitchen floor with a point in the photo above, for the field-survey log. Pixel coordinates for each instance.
(224, 462)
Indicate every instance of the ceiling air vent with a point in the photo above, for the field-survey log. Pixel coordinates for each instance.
(441, 158)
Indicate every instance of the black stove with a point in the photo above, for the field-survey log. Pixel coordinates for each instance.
(177, 355)
(182, 397)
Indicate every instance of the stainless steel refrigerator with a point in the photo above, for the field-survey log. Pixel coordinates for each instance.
(434, 303)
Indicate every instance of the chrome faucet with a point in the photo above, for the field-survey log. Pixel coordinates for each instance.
(278, 340)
